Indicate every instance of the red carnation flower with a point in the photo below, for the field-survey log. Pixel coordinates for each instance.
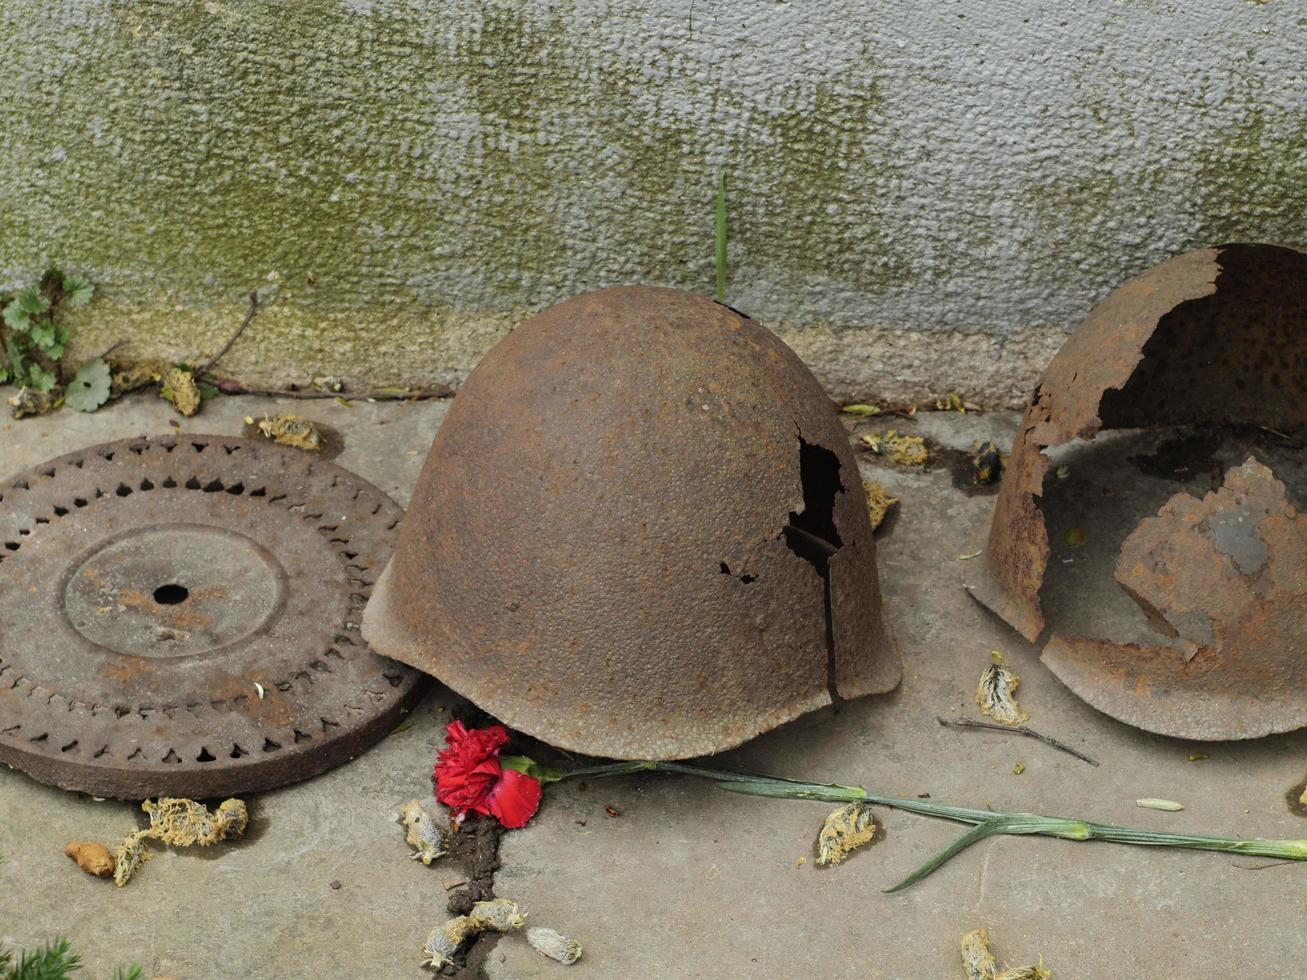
(469, 777)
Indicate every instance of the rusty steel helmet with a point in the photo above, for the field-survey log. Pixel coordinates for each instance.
(639, 533)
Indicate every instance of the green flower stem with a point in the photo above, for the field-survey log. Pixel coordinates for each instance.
(987, 823)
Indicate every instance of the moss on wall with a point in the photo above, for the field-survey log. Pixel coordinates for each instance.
(404, 178)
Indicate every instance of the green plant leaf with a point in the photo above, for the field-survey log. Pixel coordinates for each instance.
(17, 317)
(32, 300)
(77, 291)
(39, 378)
(42, 333)
(89, 389)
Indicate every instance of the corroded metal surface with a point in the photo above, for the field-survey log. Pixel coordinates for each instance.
(1217, 336)
(1225, 576)
(149, 588)
(639, 533)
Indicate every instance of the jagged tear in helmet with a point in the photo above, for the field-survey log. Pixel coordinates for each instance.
(639, 533)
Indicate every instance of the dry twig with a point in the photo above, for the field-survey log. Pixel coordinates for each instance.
(1016, 730)
(254, 308)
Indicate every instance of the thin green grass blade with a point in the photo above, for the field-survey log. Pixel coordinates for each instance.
(721, 237)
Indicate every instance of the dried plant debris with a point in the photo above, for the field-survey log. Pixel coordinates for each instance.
(1152, 804)
(426, 839)
(291, 430)
(91, 856)
(979, 962)
(30, 401)
(878, 501)
(996, 693)
(444, 941)
(131, 855)
(183, 823)
(128, 376)
(987, 463)
(179, 823)
(901, 449)
(843, 832)
(555, 945)
(178, 386)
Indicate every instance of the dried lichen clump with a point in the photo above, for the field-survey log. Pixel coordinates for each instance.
(878, 501)
(427, 840)
(292, 430)
(91, 856)
(131, 855)
(183, 823)
(980, 964)
(178, 387)
(996, 692)
(179, 823)
(901, 449)
(548, 942)
(126, 376)
(843, 832)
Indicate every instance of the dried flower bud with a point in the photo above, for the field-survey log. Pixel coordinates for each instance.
(996, 692)
(553, 944)
(427, 839)
(497, 915)
(444, 941)
(980, 964)
(1153, 804)
(843, 832)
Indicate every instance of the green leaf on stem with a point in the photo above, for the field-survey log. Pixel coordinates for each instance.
(520, 763)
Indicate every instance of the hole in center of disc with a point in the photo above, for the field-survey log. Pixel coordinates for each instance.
(171, 594)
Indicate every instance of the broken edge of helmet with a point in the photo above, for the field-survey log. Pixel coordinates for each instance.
(639, 533)
(1216, 336)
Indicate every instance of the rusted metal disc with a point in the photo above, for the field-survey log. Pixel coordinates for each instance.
(179, 616)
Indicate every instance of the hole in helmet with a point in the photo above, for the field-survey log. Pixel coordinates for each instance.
(811, 533)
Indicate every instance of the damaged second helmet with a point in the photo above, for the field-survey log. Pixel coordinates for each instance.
(640, 532)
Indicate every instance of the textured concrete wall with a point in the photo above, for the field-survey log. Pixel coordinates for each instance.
(922, 195)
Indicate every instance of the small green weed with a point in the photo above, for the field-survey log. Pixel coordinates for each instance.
(55, 961)
(33, 336)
